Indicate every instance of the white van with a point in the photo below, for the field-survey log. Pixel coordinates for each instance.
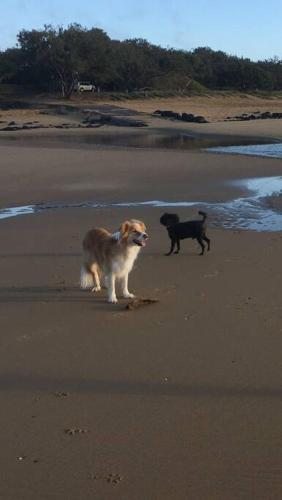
(85, 87)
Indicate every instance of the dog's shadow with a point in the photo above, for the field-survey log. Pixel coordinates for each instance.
(59, 294)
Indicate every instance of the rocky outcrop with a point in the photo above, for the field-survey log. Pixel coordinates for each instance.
(189, 117)
(103, 119)
(257, 115)
(89, 122)
(184, 117)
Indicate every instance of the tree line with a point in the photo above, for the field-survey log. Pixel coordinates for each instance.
(54, 59)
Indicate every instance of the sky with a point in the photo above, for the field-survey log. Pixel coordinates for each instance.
(247, 28)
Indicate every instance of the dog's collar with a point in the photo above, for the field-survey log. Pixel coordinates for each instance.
(116, 236)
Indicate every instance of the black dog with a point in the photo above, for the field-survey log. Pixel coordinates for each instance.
(195, 229)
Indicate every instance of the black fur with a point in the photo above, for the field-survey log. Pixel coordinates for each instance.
(195, 229)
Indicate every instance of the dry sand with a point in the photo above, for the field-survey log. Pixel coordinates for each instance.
(180, 399)
(214, 106)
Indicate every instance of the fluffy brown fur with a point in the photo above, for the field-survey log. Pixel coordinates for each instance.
(111, 256)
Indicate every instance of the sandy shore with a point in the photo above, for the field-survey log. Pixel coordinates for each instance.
(181, 399)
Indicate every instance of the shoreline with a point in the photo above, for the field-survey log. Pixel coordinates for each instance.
(24, 148)
(259, 209)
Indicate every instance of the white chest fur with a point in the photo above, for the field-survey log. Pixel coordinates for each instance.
(123, 263)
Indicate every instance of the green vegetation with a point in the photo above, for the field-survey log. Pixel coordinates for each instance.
(53, 59)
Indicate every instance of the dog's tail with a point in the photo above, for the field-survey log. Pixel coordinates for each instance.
(86, 278)
(204, 215)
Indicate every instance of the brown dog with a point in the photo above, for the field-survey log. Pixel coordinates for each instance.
(111, 256)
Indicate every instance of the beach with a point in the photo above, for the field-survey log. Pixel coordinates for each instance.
(180, 399)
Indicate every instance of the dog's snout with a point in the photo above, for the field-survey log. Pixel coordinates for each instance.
(145, 236)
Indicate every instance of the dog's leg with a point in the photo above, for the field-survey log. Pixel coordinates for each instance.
(199, 240)
(111, 283)
(86, 277)
(205, 238)
(171, 247)
(105, 282)
(124, 288)
(94, 270)
(178, 246)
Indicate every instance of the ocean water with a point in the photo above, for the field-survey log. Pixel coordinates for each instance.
(252, 211)
(267, 150)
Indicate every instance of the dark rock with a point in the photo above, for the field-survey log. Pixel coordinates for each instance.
(12, 128)
(187, 117)
(91, 121)
(168, 114)
(257, 115)
(200, 119)
(276, 115)
(33, 125)
(121, 122)
(112, 120)
(93, 125)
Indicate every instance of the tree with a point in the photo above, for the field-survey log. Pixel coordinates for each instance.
(58, 50)
(10, 63)
(54, 58)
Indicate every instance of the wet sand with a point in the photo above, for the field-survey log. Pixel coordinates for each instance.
(181, 399)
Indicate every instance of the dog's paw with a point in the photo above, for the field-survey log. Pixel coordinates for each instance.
(96, 289)
(167, 254)
(112, 300)
(129, 295)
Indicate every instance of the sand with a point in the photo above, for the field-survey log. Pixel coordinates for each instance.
(180, 399)
(214, 106)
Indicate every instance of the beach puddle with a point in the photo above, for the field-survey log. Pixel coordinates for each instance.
(259, 210)
(161, 140)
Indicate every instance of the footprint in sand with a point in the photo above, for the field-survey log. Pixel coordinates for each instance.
(74, 431)
(108, 477)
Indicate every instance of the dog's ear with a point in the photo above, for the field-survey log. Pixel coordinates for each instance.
(124, 229)
(163, 219)
(142, 225)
